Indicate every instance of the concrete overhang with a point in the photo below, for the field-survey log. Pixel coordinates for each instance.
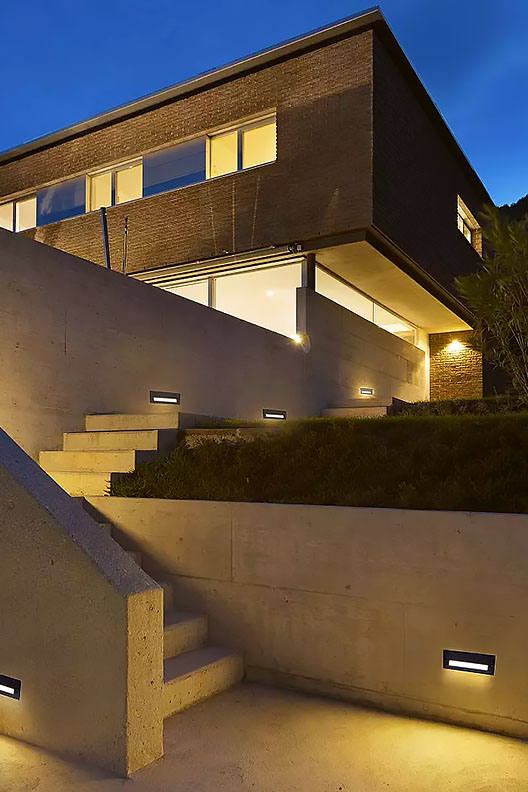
(368, 270)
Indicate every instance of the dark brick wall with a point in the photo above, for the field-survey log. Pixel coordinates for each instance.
(319, 185)
(454, 374)
(417, 176)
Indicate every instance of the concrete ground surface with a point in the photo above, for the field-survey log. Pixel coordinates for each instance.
(268, 740)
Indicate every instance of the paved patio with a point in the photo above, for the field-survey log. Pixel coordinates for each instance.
(266, 740)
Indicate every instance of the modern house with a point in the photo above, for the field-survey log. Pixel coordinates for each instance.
(320, 163)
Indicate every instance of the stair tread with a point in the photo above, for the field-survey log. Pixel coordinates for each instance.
(184, 664)
(174, 618)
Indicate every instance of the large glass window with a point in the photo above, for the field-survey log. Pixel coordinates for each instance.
(223, 154)
(265, 297)
(177, 166)
(245, 147)
(259, 143)
(61, 201)
(26, 213)
(129, 183)
(393, 324)
(99, 190)
(198, 292)
(6, 215)
(344, 295)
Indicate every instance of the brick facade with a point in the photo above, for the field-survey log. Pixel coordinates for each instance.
(418, 173)
(319, 185)
(454, 373)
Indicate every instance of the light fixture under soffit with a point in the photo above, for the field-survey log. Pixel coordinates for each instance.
(366, 391)
(279, 415)
(455, 347)
(164, 397)
(10, 687)
(471, 662)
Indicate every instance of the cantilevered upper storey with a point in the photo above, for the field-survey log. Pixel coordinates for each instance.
(328, 144)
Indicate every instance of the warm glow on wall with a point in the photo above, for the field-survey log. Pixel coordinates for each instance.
(455, 347)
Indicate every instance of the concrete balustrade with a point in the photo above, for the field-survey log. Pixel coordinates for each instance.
(353, 603)
(81, 626)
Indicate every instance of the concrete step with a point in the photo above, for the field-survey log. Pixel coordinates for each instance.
(183, 632)
(194, 676)
(82, 483)
(115, 422)
(354, 412)
(93, 461)
(138, 440)
(135, 555)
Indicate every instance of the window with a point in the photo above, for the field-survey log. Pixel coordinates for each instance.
(264, 297)
(26, 213)
(198, 292)
(129, 183)
(223, 154)
(259, 143)
(250, 145)
(342, 294)
(345, 295)
(6, 215)
(177, 166)
(99, 190)
(468, 226)
(61, 201)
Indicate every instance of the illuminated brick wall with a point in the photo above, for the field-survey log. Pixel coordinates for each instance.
(456, 369)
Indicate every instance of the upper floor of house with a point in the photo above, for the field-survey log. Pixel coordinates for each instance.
(313, 143)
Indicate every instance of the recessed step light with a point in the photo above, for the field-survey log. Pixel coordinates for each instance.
(164, 397)
(471, 662)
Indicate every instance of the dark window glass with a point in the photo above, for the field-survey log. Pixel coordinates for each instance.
(174, 167)
(60, 201)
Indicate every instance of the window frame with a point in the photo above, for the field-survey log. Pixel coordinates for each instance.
(16, 202)
(113, 170)
(13, 214)
(270, 118)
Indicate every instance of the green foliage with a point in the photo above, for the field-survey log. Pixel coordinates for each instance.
(462, 462)
(498, 297)
(489, 405)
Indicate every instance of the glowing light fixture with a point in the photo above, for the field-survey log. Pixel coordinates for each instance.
(279, 415)
(455, 347)
(472, 662)
(296, 337)
(10, 687)
(164, 397)
(366, 391)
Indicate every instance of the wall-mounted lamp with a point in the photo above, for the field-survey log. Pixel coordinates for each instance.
(164, 397)
(472, 662)
(366, 391)
(10, 687)
(455, 347)
(297, 337)
(274, 414)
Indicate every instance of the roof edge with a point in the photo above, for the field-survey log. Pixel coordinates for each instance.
(285, 49)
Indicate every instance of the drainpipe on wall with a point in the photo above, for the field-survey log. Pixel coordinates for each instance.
(104, 232)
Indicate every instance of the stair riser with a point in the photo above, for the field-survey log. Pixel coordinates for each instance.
(141, 440)
(184, 637)
(93, 461)
(85, 484)
(354, 412)
(183, 692)
(116, 423)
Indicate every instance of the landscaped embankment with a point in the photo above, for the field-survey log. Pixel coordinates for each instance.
(457, 462)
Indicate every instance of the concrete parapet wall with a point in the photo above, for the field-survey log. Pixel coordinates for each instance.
(77, 339)
(352, 602)
(80, 625)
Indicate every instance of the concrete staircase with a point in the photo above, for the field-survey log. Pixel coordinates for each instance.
(111, 444)
(358, 408)
(192, 670)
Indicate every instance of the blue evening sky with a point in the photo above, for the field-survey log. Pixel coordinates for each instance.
(66, 60)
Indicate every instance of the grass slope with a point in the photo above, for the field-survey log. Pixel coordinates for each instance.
(460, 462)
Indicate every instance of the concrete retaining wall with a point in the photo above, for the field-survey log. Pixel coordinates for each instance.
(76, 338)
(80, 626)
(351, 602)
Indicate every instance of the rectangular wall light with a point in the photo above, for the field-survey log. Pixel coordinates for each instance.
(10, 687)
(366, 391)
(279, 415)
(164, 397)
(471, 662)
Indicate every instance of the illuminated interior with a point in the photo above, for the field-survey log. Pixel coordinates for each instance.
(129, 183)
